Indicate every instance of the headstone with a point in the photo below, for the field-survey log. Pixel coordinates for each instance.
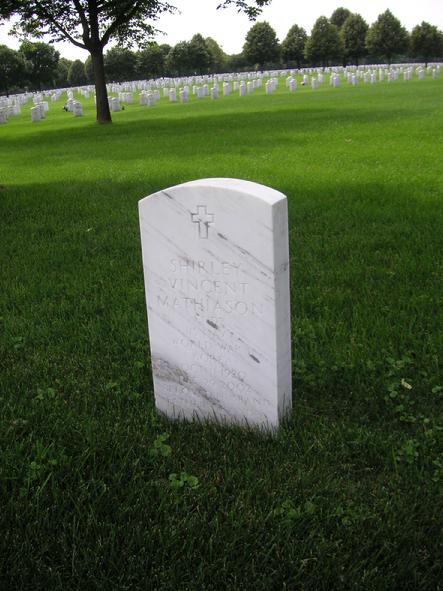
(35, 113)
(78, 109)
(216, 266)
(114, 103)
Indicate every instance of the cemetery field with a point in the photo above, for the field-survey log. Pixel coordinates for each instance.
(99, 492)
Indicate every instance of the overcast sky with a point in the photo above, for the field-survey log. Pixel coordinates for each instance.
(229, 28)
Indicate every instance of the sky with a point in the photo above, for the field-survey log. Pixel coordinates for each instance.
(229, 28)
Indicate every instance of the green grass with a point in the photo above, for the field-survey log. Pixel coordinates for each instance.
(349, 494)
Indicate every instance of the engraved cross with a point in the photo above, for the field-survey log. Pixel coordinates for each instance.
(203, 219)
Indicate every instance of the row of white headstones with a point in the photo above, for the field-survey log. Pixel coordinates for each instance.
(180, 89)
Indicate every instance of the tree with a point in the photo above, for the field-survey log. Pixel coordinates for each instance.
(89, 70)
(325, 45)
(218, 56)
(41, 61)
(62, 72)
(236, 62)
(353, 34)
(151, 61)
(12, 69)
(426, 42)
(293, 46)
(91, 24)
(178, 61)
(339, 16)
(386, 37)
(199, 54)
(76, 74)
(120, 64)
(261, 45)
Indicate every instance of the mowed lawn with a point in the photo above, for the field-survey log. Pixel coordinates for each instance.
(349, 493)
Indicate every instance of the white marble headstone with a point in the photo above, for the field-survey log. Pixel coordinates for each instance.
(216, 268)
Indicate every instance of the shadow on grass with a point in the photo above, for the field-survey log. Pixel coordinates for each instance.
(240, 127)
(365, 283)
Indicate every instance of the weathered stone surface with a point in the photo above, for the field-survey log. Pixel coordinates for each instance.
(216, 265)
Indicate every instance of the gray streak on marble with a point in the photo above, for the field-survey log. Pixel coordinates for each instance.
(216, 266)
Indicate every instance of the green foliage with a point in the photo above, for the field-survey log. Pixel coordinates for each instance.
(353, 34)
(86, 23)
(77, 74)
(160, 447)
(293, 46)
(183, 481)
(289, 512)
(426, 42)
(324, 46)
(89, 70)
(62, 72)
(120, 64)
(178, 61)
(339, 16)
(387, 37)
(200, 58)
(251, 8)
(12, 69)
(218, 56)
(151, 61)
(236, 62)
(261, 45)
(41, 61)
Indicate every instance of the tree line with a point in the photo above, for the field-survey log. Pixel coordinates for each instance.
(92, 24)
(343, 38)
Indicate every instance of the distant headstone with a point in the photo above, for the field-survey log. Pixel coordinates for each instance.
(77, 109)
(35, 113)
(216, 267)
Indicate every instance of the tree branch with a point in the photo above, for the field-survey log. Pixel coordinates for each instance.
(83, 20)
(65, 33)
(120, 20)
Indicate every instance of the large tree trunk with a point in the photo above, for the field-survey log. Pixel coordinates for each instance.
(101, 93)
